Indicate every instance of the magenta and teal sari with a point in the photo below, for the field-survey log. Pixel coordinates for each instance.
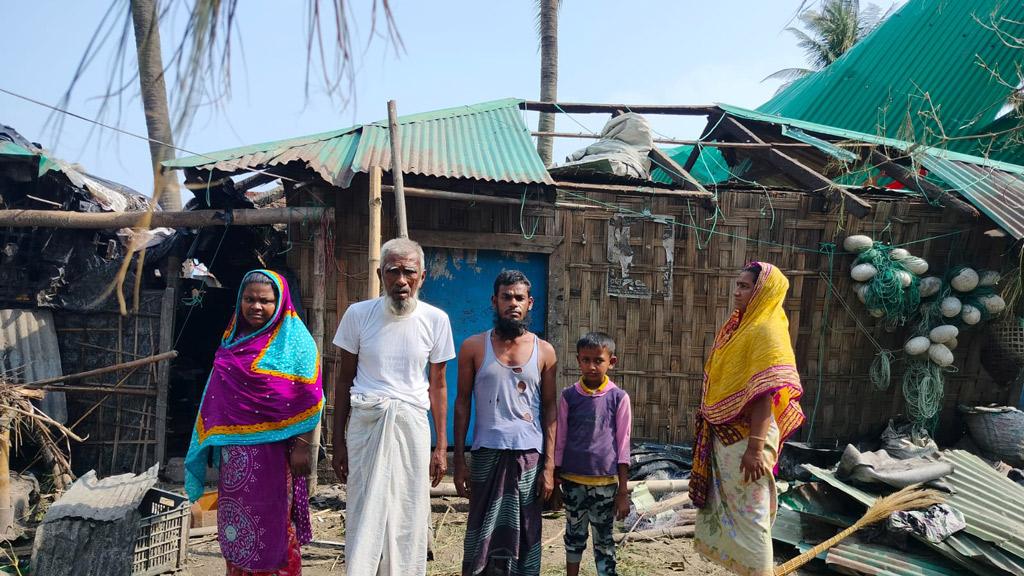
(265, 388)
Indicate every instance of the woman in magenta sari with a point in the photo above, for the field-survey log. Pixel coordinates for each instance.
(257, 416)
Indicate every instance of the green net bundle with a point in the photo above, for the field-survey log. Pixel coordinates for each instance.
(885, 290)
(922, 389)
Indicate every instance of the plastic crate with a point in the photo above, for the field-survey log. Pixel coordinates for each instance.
(161, 545)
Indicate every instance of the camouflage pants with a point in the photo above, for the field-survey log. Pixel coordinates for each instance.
(592, 506)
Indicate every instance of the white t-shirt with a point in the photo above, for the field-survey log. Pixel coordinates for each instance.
(394, 351)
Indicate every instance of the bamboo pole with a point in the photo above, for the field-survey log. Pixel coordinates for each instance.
(6, 513)
(105, 370)
(175, 219)
(163, 372)
(372, 280)
(654, 486)
(396, 170)
(317, 312)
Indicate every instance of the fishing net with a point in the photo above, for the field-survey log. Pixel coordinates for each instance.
(881, 370)
(922, 390)
(886, 291)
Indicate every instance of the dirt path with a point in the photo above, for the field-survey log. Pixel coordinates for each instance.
(648, 558)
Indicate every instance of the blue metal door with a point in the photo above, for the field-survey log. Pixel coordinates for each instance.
(461, 283)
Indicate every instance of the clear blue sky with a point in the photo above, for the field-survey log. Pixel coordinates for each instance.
(456, 52)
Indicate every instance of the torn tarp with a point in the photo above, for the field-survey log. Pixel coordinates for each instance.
(935, 523)
(880, 468)
(622, 150)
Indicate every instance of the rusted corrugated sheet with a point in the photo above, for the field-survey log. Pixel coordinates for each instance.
(29, 352)
(999, 194)
(488, 141)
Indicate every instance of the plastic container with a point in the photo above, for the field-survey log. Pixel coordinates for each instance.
(161, 544)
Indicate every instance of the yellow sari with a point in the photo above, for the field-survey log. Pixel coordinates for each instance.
(752, 357)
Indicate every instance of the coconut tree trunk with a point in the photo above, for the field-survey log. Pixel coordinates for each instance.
(154, 99)
(548, 17)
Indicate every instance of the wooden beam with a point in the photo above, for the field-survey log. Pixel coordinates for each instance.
(800, 172)
(123, 390)
(163, 370)
(705, 143)
(475, 241)
(105, 370)
(579, 108)
(175, 219)
(373, 238)
(632, 190)
(905, 176)
(396, 170)
(464, 197)
(317, 327)
(676, 172)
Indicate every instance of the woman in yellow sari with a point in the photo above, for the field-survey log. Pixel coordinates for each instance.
(749, 407)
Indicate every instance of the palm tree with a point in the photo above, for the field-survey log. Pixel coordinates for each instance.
(830, 31)
(547, 29)
(200, 67)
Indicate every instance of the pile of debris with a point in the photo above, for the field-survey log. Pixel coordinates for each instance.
(978, 530)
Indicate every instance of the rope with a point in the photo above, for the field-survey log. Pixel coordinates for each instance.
(829, 249)
(922, 390)
(536, 222)
(880, 372)
(712, 231)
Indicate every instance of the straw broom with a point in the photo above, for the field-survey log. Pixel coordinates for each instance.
(909, 498)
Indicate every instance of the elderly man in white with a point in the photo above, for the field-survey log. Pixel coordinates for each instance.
(383, 383)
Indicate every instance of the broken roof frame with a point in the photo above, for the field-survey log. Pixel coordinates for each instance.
(489, 142)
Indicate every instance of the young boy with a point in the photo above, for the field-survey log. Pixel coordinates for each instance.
(592, 454)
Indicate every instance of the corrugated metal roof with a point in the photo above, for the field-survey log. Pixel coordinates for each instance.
(329, 154)
(710, 168)
(929, 56)
(964, 547)
(488, 141)
(848, 134)
(999, 194)
(862, 558)
(992, 504)
(29, 351)
(103, 500)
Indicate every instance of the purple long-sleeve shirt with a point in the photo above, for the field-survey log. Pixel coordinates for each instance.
(592, 437)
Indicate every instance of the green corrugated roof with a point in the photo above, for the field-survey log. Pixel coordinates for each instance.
(847, 134)
(487, 141)
(710, 168)
(939, 48)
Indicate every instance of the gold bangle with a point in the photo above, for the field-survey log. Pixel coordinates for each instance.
(752, 437)
(303, 440)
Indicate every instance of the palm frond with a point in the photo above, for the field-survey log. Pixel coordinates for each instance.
(788, 74)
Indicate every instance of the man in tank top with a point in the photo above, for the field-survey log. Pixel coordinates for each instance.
(507, 378)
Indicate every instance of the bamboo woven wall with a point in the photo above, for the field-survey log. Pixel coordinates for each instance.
(120, 428)
(663, 340)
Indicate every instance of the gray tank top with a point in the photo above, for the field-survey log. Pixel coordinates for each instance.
(507, 403)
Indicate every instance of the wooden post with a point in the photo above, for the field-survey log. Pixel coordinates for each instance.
(317, 313)
(372, 280)
(6, 513)
(396, 170)
(163, 371)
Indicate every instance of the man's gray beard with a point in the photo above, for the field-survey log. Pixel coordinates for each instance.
(402, 307)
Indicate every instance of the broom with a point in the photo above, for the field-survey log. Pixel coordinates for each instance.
(909, 498)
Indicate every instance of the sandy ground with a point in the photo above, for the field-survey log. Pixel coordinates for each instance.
(647, 558)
